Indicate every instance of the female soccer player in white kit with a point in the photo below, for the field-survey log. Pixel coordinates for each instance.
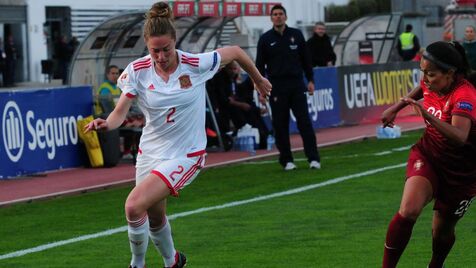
(169, 85)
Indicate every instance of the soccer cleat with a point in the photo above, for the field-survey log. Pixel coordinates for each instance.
(290, 166)
(130, 266)
(180, 260)
(314, 165)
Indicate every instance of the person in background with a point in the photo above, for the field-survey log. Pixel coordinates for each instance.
(447, 36)
(441, 165)
(169, 85)
(107, 96)
(320, 47)
(3, 57)
(234, 101)
(73, 43)
(10, 62)
(63, 55)
(282, 56)
(408, 44)
(109, 86)
(108, 93)
(469, 44)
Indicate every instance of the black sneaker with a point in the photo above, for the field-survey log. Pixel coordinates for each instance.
(180, 260)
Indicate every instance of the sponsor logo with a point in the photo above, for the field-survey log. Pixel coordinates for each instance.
(151, 87)
(41, 133)
(377, 88)
(13, 132)
(464, 106)
(321, 101)
(137, 243)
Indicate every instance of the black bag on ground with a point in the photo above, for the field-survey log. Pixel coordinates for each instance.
(110, 146)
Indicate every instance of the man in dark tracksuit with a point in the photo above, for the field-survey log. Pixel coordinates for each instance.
(282, 56)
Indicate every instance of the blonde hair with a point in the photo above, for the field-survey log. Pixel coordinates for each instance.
(159, 20)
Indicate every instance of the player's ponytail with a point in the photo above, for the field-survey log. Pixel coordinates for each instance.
(159, 20)
(472, 78)
(465, 68)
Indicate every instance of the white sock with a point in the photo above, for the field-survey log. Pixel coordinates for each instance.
(162, 238)
(138, 239)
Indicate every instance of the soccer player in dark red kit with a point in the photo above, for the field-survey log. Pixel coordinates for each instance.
(442, 164)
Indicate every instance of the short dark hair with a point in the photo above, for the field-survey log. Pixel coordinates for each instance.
(320, 23)
(278, 6)
(108, 68)
(408, 28)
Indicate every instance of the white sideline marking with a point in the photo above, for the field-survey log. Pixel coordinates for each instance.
(398, 149)
(201, 210)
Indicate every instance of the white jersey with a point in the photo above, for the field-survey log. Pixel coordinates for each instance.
(175, 110)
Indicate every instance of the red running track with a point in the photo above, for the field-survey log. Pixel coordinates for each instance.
(80, 180)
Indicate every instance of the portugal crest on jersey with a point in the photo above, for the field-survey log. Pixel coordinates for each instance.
(185, 81)
(418, 164)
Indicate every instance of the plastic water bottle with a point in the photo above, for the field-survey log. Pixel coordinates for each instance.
(270, 142)
(236, 144)
(388, 132)
(241, 144)
(250, 145)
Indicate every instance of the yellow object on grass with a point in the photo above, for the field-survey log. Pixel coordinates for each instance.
(91, 142)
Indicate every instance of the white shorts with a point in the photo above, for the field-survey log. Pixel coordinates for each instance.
(176, 173)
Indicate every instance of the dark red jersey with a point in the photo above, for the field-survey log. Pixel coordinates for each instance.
(454, 163)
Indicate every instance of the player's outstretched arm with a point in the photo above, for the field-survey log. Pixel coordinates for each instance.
(115, 119)
(231, 53)
(388, 116)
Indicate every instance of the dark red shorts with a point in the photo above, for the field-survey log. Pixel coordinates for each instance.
(450, 200)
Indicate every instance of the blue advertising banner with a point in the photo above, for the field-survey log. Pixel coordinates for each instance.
(324, 104)
(39, 129)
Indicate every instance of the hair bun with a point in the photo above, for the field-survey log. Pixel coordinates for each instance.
(160, 10)
(163, 12)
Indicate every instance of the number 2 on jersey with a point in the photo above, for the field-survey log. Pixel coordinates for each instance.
(169, 115)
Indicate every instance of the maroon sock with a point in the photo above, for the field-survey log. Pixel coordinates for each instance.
(441, 248)
(398, 235)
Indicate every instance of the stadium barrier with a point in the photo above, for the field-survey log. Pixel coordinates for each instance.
(349, 95)
(39, 129)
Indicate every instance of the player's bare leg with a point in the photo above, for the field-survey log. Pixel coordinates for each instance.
(149, 192)
(443, 238)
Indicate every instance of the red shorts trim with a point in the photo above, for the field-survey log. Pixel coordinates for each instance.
(197, 153)
(189, 173)
(164, 179)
